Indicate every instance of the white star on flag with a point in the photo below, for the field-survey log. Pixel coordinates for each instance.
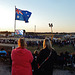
(27, 15)
(26, 12)
(17, 16)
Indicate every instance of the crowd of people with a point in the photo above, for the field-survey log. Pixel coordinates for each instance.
(38, 63)
(8, 41)
(13, 41)
(59, 42)
(66, 59)
(32, 36)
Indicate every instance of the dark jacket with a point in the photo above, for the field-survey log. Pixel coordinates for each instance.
(34, 64)
(47, 67)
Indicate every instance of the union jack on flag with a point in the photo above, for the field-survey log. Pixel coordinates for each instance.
(19, 32)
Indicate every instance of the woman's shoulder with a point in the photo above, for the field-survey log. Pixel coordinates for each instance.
(53, 50)
(21, 49)
(16, 48)
(42, 50)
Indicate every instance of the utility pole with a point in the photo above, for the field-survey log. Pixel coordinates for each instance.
(35, 28)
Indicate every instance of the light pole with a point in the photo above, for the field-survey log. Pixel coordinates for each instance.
(51, 25)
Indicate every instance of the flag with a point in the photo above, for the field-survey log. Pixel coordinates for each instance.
(19, 32)
(22, 15)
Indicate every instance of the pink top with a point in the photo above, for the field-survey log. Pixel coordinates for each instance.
(21, 61)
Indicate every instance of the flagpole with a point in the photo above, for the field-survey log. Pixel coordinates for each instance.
(14, 26)
(15, 22)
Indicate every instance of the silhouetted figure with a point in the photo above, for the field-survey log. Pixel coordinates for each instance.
(34, 63)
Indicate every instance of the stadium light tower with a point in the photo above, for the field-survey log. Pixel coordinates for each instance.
(51, 25)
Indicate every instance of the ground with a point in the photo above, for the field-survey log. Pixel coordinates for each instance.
(63, 72)
(5, 70)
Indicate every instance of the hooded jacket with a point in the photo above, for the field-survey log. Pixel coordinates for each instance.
(21, 61)
(47, 67)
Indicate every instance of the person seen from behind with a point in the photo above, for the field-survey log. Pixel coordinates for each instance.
(21, 59)
(34, 63)
(35, 54)
(46, 58)
(3, 51)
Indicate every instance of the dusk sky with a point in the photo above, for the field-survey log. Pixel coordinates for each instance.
(59, 12)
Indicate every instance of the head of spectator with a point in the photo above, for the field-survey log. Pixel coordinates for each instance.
(22, 43)
(36, 52)
(47, 44)
(61, 54)
(2, 49)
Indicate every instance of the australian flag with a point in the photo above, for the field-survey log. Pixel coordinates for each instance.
(22, 15)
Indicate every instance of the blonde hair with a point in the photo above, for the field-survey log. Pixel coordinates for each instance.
(22, 43)
(47, 43)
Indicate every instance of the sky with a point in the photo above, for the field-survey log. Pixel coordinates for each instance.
(61, 13)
